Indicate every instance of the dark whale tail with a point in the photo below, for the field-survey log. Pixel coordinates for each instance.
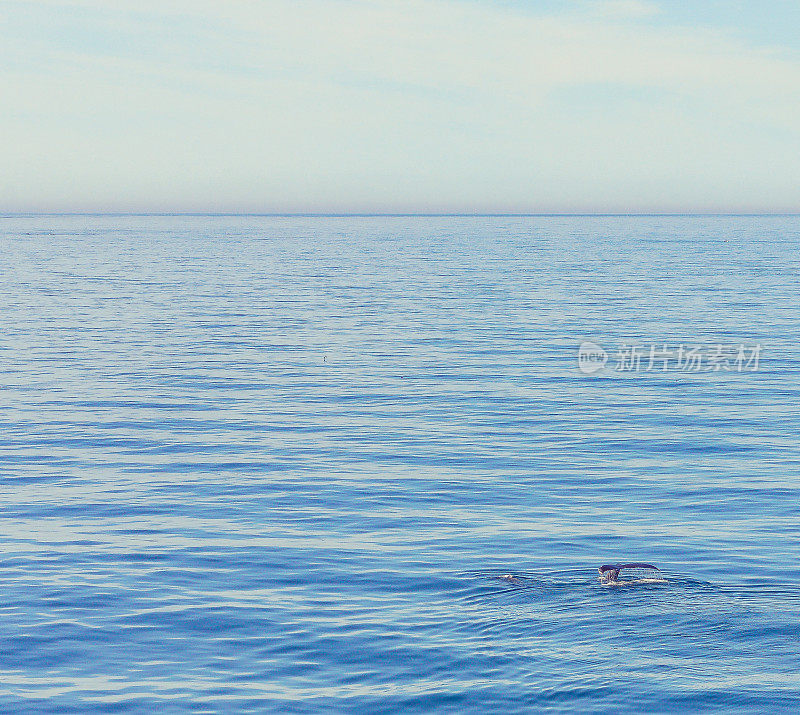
(610, 573)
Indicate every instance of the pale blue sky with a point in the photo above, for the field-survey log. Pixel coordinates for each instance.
(419, 105)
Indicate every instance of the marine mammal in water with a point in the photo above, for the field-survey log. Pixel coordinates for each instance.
(609, 573)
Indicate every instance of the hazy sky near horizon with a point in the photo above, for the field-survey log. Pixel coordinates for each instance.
(389, 105)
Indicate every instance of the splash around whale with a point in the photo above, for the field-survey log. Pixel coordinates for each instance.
(629, 574)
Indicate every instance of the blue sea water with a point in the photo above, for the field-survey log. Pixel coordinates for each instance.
(349, 464)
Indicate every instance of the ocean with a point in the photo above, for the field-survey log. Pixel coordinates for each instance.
(362, 464)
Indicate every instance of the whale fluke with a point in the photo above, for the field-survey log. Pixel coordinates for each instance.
(610, 573)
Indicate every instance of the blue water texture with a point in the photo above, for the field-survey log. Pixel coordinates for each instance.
(350, 464)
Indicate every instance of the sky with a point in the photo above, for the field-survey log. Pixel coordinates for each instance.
(351, 106)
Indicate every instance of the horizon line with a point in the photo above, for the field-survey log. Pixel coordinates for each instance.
(405, 214)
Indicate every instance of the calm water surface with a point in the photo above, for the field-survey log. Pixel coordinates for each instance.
(281, 464)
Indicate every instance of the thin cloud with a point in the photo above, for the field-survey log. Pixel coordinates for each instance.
(625, 8)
